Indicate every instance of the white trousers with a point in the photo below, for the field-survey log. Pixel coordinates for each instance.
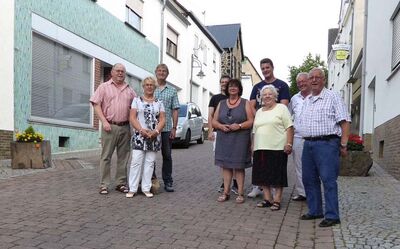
(297, 152)
(142, 166)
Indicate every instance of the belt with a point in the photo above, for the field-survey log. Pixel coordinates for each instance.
(317, 138)
(119, 123)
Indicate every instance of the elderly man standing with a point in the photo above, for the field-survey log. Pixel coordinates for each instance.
(169, 97)
(111, 102)
(295, 107)
(325, 125)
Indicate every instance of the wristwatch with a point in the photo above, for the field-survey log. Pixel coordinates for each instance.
(343, 145)
(240, 126)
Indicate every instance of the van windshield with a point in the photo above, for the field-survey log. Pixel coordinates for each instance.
(183, 111)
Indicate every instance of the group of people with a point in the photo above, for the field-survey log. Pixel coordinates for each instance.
(313, 126)
(261, 133)
(144, 124)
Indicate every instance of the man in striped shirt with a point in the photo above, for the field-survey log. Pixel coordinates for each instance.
(324, 124)
(111, 102)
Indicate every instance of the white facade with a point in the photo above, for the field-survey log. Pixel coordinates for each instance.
(350, 33)
(382, 84)
(7, 65)
(158, 17)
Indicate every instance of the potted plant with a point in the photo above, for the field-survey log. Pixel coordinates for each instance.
(358, 162)
(30, 150)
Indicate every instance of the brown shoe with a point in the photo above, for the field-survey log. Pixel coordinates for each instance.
(122, 188)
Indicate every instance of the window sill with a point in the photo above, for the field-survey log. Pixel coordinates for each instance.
(394, 71)
(173, 57)
(135, 29)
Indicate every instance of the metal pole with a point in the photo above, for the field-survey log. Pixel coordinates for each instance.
(191, 78)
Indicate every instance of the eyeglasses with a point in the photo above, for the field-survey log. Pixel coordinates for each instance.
(315, 77)
(229, 113)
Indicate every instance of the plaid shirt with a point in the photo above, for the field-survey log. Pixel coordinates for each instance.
(169, 98)
(321, 114)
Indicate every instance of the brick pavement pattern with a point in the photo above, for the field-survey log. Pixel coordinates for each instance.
(60, 208)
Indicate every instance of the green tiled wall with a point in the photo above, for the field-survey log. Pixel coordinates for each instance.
(89, 21)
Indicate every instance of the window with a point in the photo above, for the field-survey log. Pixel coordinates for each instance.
(172, 43)
(61, 83)
(396, 40)
(133, 19)
(134, 13)
(214, 62)
(134, 83)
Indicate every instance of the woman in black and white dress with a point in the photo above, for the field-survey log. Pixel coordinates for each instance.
(147, 118)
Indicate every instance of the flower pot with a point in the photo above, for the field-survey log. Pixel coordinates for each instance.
(30, 155)
(356, 163)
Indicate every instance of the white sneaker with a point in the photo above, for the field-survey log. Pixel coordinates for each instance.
(130, 194)
(256, 191)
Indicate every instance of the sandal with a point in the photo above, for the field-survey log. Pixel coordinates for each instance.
(223, 197)
(103, 191)
(264, 204)
(122, 188)
(276, 206)
(239, 199)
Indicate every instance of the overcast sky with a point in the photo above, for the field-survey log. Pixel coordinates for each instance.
(282, 30)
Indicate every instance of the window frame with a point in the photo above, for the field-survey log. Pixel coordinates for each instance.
(172, 47)
(90, 66)
(137, 26)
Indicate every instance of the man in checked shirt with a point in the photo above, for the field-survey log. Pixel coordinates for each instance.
(325, 125)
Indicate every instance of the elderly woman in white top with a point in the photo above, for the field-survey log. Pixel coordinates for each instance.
(147, 117)
(272, 142)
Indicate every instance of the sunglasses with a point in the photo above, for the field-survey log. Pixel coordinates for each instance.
(229, 113)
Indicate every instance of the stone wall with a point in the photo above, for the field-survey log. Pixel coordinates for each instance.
(5, 138)
(386, 146)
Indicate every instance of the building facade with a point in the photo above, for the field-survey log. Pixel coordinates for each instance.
(368, 76)
(57, 54)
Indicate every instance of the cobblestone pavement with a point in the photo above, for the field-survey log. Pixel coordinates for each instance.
(60, 208)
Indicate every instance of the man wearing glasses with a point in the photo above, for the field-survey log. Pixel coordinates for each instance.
(324, 124)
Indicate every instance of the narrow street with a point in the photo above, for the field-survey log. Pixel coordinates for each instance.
(61, 208)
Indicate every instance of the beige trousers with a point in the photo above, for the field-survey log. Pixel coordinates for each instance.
(118, 138)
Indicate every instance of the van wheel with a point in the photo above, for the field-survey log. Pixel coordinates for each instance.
(187, 139)
(201, 139)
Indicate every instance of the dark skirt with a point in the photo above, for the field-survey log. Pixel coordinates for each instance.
(270, 168)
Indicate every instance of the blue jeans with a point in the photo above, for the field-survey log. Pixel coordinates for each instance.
(321, 160)
(166, 144)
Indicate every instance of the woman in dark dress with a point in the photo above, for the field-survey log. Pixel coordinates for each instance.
(233, 121)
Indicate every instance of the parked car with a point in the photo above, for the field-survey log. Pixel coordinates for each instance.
(190, 125)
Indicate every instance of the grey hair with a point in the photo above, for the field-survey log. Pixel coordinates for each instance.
(321, 72)
(301, 74)
(271, 88)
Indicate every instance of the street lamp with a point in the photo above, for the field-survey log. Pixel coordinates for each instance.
(200, 74)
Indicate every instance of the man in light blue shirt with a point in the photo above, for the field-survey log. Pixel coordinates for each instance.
(295, 108)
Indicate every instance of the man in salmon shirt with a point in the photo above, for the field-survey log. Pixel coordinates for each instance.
(111, 102)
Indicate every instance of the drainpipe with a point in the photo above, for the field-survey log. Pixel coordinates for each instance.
(162, 32)
(364, 73)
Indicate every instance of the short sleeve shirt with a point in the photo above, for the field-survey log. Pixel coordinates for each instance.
(169, 98)
(270, 127)
(148, 114)
(295, 109)
(114, 101)
(322, 114)
(214, 101)
(281, 86)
